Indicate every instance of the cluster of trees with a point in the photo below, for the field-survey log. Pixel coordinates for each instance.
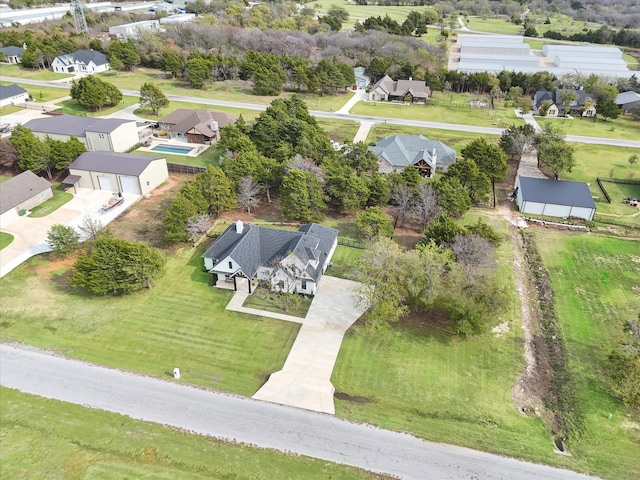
(415, 23)
(26, 151)
(602, 35)
(207, 195)
(553, 151)
(105, 264)
(624, 364)
(93, 93)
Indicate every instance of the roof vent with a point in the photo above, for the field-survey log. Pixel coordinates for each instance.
(239, 226)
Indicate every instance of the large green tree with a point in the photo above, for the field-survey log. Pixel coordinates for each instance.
(93, 93)
(32, 153)
(217, 190)
(491, 160)
(301, 196)
(373, 223)
(61, 154)
(151, 96)
(116, 266)
(553, 151)
(126, 52)
(62, 238)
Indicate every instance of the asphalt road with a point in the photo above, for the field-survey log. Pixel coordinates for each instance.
(342, 116)
(259, 423)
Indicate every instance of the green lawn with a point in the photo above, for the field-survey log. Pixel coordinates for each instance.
(236, 112)
(419, 377)
(72, 107)
(211, 156)
(346, 262)
(90, 443)
(495, 25)
(458, 113)
(60, 197)
(31, 73)
(339, 130)
(364, 11)
(596, 280)
(40, 94)
(602, 161)
(622, 128)
(263, 299)
(5, 239)
(8, 110)
(451, 138)
(181, 321)
(618, 192)
(4, 178)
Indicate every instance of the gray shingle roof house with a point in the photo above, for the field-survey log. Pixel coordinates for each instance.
(195, 126)
(557, 108)
(400, 91)
(628, 100)
(12, 54)
(89, 61)
(112, 134)
(400, 151)
(10, 94)
(288, 261)
(22, 192)
(555, 198)
(118, 172)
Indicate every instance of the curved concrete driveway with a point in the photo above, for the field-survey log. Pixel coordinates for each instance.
(30, 234)
(305, 378)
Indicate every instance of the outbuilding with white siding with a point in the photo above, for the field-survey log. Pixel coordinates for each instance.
(554, 198)
(21, 193)
(118, 172)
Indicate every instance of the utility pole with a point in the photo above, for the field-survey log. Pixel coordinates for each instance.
(78, 16)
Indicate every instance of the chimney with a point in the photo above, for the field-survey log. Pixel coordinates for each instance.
(239, 226)
(214, 126)
(434, 161)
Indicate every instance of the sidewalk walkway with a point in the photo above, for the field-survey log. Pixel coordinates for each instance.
(358, 96)
(305, 378)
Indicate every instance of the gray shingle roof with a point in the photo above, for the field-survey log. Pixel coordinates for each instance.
(184, 119)
(85, 57)
(627, 97)
(556, 192)
(8, 91)
(12, 51)
(260, 246)
(406, 150)
(113, 162)
(74, 125)
(556, 97)
(20, 188)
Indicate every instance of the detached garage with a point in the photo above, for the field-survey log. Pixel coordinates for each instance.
(555, 198)
(22, 192)
(118, 172)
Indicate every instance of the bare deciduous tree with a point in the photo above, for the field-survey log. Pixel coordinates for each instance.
(248, 191)
(305, 165)
(90, 227)
(402, 198)
(8, 154)
(473, 253)
(197, 226)
(425, 204)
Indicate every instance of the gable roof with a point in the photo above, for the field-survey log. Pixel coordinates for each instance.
(417, 88)
(556, 97)
(113, 162)
(74, 125)
(406, 150)
(183, 119)
(385, 83)
(9, 91)
(627, 97)
(12, 51)
(85, 57)
(258, 246)
(557, 192)
(20, 188)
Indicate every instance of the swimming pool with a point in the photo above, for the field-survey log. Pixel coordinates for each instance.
(172, 149)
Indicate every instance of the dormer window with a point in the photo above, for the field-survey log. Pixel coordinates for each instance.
(230, 264)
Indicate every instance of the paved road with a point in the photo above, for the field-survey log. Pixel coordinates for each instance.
(259, 423)
(346, 116)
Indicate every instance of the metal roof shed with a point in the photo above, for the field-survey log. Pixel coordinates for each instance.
(555, 198)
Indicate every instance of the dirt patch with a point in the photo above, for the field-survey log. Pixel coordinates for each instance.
(433, 318)
(500, 329)
(350, 398)
(143, 221)
(55, 263)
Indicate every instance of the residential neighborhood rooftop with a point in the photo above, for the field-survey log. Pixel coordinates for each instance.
(20, 188)
(74, 124)
(559, 192)
(113, 162)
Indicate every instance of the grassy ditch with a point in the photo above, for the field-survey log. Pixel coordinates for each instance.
(43, 438)
(561, 400)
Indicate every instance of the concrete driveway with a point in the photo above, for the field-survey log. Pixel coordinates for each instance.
(305, 378)
(30, 234)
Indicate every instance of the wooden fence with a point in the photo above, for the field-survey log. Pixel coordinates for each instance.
(603, 190)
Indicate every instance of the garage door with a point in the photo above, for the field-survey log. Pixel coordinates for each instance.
(106, 183)
(130, 185)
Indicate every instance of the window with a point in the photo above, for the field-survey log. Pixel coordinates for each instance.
(101, 135)
(230, 264)
(304, 284)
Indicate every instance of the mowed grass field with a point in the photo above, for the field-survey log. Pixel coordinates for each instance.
(44, 438)
(422, 378)
(31, 73)
(180, 322)
(622, 127)
(596, 284)
(458, 113)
